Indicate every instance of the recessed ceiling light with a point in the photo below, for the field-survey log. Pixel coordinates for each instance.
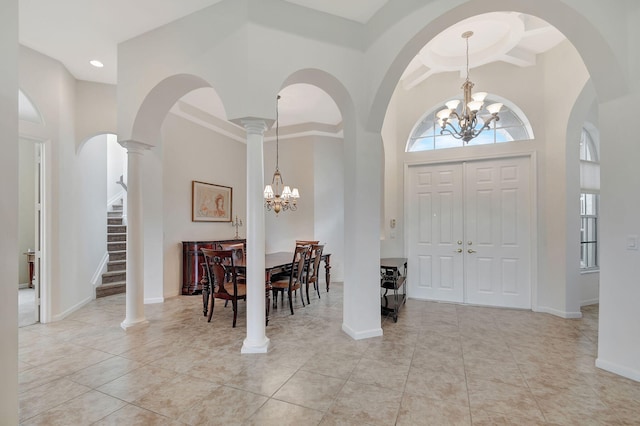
(96, 63)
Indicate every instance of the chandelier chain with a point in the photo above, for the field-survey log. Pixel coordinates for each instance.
(277, 134)
(467, 58)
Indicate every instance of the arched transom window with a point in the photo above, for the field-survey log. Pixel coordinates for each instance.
(512, 126)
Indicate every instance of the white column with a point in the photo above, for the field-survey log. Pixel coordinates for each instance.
(362, 179)
(256, 341)
(135, 236)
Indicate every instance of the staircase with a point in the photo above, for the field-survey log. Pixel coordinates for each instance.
(114, 280)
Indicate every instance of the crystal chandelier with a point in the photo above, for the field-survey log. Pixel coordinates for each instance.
(462, 125)
(279, 196)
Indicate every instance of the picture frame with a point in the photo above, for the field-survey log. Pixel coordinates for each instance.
(210, 202)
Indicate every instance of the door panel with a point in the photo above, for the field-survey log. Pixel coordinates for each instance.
(497, 208)
(469, 232)
(435, 214)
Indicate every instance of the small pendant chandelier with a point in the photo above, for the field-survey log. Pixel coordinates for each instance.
(279, 196)
(462, 125)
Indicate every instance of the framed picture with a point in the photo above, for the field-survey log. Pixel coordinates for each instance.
(210, 203)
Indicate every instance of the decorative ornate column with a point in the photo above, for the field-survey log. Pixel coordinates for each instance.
(256, 341)
(135, 236)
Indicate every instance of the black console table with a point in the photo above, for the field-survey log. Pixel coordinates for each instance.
(393, 276)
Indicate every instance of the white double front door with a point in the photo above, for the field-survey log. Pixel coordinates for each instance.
(469, 237)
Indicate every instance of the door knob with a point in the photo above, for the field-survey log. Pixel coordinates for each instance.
(471, 251)
(459, 242)
(469, 242)
(458, 251)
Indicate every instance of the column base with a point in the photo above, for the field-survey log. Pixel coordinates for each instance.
(126, 324)
(253, 348)
(363, 334)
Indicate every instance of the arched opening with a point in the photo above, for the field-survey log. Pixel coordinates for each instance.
(31, 239)
(101, 213)
(327, 196)
(310, 158)
(502, 63)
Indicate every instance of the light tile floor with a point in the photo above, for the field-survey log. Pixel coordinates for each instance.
(26, 307)
(439, 364)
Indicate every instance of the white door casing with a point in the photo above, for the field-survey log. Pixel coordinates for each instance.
(469, 232)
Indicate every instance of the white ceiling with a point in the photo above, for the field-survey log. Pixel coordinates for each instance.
(77, 31)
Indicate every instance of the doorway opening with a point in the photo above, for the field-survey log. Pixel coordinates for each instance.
(31, 231)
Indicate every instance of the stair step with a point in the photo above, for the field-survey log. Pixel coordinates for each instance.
(116, 207)
(116, 265)
(113, 277)
(114, 214)
(117, 255)
(114, 220)
(112, 238)
(111, 289)
(117, 246)
(116, 229)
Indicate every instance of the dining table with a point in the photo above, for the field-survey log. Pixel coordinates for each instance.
(275, 263)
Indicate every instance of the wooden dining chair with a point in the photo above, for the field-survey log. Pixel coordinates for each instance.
(238, 258)
(313, 265)
(294, 280)
(236, 248)
(223, 279)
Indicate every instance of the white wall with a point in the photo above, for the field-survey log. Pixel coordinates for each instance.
(92, 212)
(9, 212)
(328, 168)
(297, 169)
(96, 110)
(53, 90)
(191, 152)
(619, 328)
(26, 219)
(589, 288)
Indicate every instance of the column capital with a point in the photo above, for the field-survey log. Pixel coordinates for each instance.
(135, 146)
(254, 126)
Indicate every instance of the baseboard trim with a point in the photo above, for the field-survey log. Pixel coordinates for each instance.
(71, 310)
(590, 302)
(614, 368)
(561, 314)
(152, 300)
(359, 335)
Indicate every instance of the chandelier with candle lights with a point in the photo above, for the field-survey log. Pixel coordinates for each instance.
(463, 123)
(278, 196)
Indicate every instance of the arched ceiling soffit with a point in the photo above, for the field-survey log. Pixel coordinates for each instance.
(157, 104)
(305, 108)
(323, 99)
(27, 111)
(542, 23)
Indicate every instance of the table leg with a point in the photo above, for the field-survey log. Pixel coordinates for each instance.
(204, 285)
(267, 295)
(327, 270)
(30, 274)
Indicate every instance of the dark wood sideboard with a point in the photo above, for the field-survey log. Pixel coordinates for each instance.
(193, 277)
